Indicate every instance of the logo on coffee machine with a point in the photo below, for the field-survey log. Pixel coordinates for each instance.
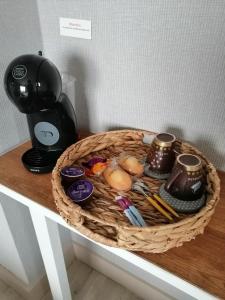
(46, 133)
(19, 72)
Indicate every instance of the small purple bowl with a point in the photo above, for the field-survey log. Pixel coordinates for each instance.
(80, 191)
(72, 173)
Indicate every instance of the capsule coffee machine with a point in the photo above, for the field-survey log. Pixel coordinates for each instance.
(34, 85)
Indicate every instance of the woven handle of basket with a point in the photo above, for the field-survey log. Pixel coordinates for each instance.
(97, 229)
(98, 237)
(76, 218)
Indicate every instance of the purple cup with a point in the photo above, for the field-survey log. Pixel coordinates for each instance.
(80, 191)
(70, 174)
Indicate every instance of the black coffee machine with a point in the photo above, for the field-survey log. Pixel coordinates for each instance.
(34, 85)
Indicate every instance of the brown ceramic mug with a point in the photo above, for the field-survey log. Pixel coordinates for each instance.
(162, 154)
(186, 182)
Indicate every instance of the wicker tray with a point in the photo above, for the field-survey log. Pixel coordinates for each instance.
(103, 221)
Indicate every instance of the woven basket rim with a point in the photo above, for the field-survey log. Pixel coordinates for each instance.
(188, 219)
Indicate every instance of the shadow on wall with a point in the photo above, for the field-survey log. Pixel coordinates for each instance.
(178, 132)
(204, 144)
(122, 127)
(77, 68)
(208, 147)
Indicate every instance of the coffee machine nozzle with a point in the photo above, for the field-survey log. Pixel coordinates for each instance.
(34, 85)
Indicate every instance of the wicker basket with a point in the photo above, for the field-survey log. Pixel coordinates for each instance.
(103, 221)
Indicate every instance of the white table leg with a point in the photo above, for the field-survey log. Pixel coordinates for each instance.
(51, 249)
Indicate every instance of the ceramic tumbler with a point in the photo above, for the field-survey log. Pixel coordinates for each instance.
(186, 181)
(161, 156)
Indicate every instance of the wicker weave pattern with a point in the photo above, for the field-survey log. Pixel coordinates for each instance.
(103, 220)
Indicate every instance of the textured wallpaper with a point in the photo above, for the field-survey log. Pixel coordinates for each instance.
(157, 65)
(19, 34)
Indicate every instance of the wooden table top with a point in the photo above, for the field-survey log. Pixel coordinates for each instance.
(200, 262)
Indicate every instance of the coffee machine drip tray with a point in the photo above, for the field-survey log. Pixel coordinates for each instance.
(39, 161)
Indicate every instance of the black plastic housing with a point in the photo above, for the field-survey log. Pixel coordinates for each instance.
(32, 83)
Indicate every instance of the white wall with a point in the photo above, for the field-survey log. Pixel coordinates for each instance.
(157, 65)
(19, 34)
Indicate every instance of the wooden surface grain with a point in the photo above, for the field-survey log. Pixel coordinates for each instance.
(34, 186)
(201, 261)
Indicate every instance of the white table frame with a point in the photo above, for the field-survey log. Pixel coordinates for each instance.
(46, 223)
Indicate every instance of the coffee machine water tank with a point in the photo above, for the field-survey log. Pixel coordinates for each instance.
(33, 84)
